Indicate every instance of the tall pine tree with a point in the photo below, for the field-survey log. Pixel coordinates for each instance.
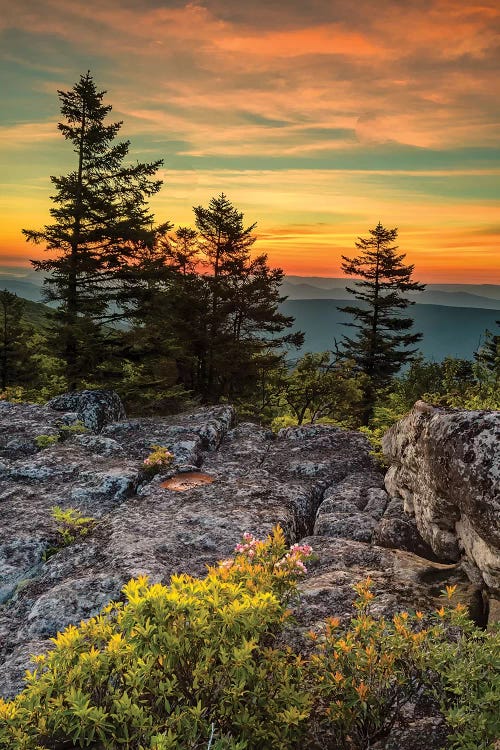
(241, 329)
(100, 215)
(383, 342)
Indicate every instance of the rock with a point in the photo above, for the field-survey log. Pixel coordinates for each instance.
(445, 467)
(357, 526)
(308, 479)
(352, 507)
(95, 409)
(54, 609)
(426, 733)
(99, 445)
(401, 581)
(396, 529)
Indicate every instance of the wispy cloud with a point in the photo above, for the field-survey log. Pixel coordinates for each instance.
(315, 110)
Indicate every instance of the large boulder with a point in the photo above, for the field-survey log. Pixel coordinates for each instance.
(445, 467)
(95, 408)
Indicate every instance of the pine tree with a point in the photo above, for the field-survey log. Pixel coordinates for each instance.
(489, 353)
(100, 214)
(182, 250)
(239, 332)
(15, 359)
(382, 343)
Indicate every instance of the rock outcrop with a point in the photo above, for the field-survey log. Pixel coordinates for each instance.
(320, 483)
(445, 468)
(94, 408)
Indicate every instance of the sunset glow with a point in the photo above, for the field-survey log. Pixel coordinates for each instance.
(316, 119)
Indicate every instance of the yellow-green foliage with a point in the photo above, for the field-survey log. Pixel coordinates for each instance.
(44, 441)
(77, 428)
(65, 431)
(360, 677)
(156, 671)
(71, 524)
(159, 458)
(286, 420)
(197, 663)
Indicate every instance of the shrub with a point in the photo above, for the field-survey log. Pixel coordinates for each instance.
(197, 664)
(72, 525)
(361, 676)
(159, 458)
(285, 420)
(158, 670)
(77, 428)
(65, 431)
(44, 441)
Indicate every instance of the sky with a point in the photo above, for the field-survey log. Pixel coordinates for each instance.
(317, 118)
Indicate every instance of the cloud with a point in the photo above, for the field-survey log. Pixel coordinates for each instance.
(25, 134)
(318, 111)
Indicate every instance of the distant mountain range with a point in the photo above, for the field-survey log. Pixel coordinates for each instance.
(452, 317)
(447, 331)
(485, 296)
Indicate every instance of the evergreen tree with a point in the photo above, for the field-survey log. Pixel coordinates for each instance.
(144, 365)
(100, 214)
(15, 360)
(182, 250)
(244, 330)
(224, 245)
(489, 353)
(382, 343)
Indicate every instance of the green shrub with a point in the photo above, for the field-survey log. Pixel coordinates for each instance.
(71, 525)
(65, 431)
(44, 441)
(285, 420)
(160, 669)
(159, 458)
(198, 664)
(77, 428)
(360, 676)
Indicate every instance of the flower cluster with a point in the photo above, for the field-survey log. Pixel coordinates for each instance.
(293, 560)
(272, 554)
(247, 546)
(159, 458)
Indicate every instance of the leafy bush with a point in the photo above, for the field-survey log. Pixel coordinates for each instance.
(360, 677)
(45, 441)
(199, 664)
(286, 420)
(72, 525)
(77, 428)
(159, 669)
(159, 458)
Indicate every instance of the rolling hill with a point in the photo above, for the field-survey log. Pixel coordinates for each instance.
(448, 331)
(485, 296)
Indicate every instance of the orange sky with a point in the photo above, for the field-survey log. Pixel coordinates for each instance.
(316, 119)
